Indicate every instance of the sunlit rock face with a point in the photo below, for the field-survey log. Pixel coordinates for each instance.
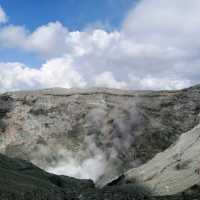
(172, 171)
(94, 133)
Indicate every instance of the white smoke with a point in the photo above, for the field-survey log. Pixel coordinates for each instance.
(102, 153)
(88, 164)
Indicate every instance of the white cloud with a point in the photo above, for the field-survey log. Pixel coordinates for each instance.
(3, 16)
(163, 22)
(106, 79)
(54, 73)
(161, 83)
(156, 48)
(13, 36)
(47, 41)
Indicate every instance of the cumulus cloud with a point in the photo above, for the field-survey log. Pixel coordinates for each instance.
(3, 16)
(156, 48)
(56, 72)
(162, 83)
(47, 40)
(106, 79)
(164, 22)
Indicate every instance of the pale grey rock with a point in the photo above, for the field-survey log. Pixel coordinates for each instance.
(172, 171)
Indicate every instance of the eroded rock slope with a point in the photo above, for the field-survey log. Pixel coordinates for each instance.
(113, 130)
(172, 171)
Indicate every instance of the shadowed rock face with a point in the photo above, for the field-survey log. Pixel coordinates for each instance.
(113, 129)
(20, 180)
(5, 108)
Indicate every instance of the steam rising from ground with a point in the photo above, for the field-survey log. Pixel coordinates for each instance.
(94, 142)
(104, 150)
(73, 164)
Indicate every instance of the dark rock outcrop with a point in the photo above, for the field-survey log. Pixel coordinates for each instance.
(20, 180)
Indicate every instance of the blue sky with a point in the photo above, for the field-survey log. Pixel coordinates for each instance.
(74, 14)
(125, 44)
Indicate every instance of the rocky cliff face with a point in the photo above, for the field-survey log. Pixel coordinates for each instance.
(94, 133)
(172, 171)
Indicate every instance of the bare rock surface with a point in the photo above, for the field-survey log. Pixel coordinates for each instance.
(172, 171)
(21, 180)
(115, 130)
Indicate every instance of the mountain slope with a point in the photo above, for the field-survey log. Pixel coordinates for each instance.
(172, 171)
(114, 130)
(22, 180)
